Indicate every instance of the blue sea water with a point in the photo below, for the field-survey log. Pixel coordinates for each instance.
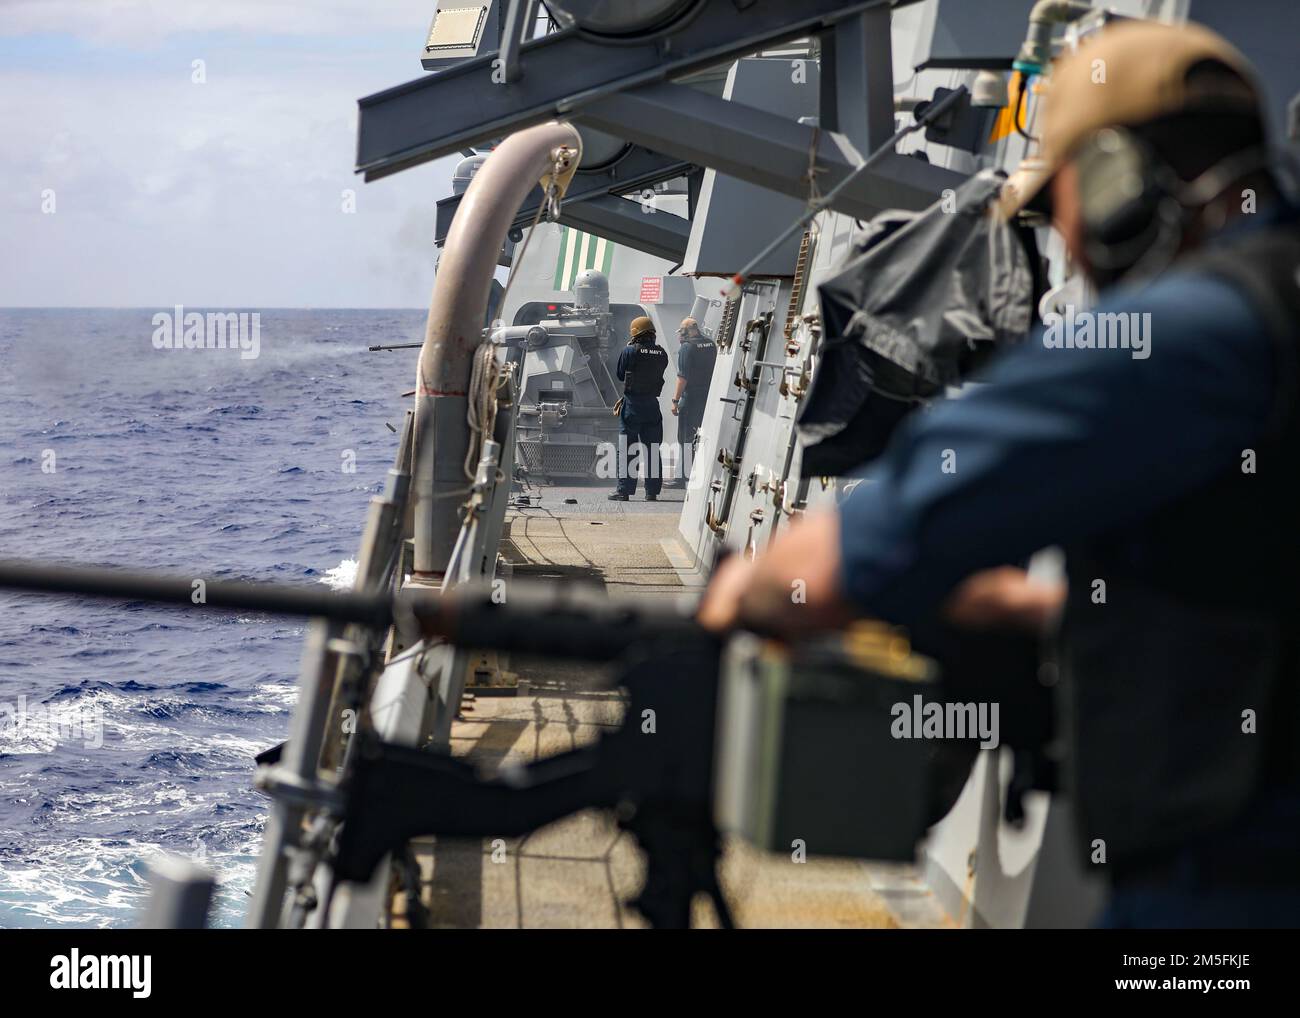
(127, 730)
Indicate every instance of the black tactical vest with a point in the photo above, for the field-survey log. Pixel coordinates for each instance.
(1201, 622)
(644, 375)
(701, 354)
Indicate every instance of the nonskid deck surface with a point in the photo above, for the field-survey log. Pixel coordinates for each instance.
(575, 873)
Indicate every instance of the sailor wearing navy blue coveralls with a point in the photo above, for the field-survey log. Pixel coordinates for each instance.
(695, 358)
(1172, 476)
(641, 368)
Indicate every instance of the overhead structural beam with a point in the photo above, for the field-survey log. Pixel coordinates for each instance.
(763, 148)
(638, 169)
(626, 222)
(468, 103)
(857, 79)
(518, 21)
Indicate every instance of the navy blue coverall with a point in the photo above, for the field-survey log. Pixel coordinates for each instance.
(643, 423)
(1060, 444)
(690, 411)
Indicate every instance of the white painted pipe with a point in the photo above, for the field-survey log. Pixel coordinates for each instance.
(455, 326)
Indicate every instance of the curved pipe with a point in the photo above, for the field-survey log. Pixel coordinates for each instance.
(454, 329)
(1036, 52)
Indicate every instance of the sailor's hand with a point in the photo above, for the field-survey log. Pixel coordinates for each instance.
(720, 607)
(790, 590)
(674, 409)
(1005, 597)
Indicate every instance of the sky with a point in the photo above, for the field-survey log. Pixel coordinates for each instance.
(127, 182)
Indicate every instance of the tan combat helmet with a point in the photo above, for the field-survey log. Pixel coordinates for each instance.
(641, 326)
(1130, 73)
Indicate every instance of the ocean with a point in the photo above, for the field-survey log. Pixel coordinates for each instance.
(128, 730)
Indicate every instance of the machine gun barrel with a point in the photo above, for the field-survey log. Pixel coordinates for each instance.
(580, 623)
(575, 622)
(196, 593)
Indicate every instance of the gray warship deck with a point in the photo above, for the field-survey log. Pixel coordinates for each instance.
(577, 873)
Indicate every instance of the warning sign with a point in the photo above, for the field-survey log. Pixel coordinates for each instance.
(652, 289)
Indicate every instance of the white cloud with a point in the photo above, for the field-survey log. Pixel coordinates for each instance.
(227, 193)
(147, 22)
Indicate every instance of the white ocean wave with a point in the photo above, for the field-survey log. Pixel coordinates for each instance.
(277, 697)
(100, 882)
(342, 576)
(30, 726)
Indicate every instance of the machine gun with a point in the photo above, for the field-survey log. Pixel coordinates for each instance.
(737, 734)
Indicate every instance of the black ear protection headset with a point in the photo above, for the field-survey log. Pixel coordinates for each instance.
(1127, 203)
(1135, 211)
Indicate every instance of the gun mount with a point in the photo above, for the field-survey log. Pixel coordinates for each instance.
(715, 733)
(565, 355)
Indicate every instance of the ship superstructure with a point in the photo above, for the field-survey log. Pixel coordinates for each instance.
(706, 129)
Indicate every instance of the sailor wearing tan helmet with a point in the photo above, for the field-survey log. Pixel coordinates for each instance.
(641, 368)
(1169, 479)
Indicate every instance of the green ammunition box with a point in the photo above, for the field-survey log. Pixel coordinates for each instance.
(805, 757)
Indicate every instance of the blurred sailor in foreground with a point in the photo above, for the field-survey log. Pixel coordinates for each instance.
(1166, 468)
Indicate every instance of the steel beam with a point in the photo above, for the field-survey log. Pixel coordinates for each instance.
(763, 148)
(470, 102)
(640, 168)
(857, 79)
(625, 222)
(518, 21)
(615, 218)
